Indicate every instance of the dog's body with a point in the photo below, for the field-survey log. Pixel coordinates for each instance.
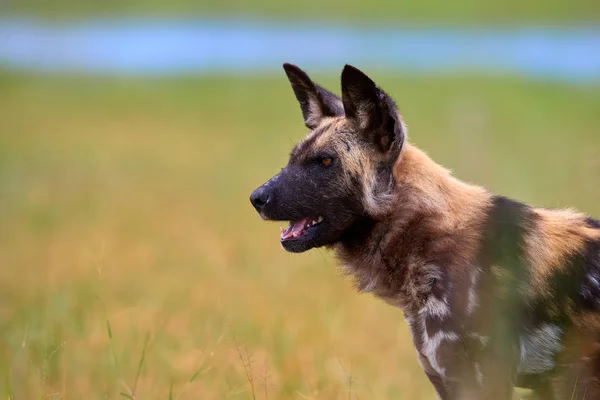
(496, 293)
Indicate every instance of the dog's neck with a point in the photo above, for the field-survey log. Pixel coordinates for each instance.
(424, 187)
(430, 206)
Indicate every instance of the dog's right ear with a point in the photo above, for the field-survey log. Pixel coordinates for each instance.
(316, 103)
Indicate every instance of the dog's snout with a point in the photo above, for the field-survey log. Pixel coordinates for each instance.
(260, 198)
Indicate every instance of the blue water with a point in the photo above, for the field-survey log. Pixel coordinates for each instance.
(168, 47)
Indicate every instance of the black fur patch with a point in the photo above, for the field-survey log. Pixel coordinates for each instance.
(312, 97)
(501, 258)
(501, 255)
(589, 290)
(503, 235)
(592, 223)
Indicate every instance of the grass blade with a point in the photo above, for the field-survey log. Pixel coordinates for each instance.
(195, 376)
(141, 363)
(108, 329)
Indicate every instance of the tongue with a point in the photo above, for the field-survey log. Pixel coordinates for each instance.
(295, 229)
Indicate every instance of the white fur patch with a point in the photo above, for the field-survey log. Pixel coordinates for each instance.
(435, 307)
(472, 301)
(478, 374)
(431, 345)
(482, 339)
(377, 199)
(538, 348)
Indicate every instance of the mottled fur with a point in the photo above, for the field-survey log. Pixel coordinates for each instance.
(496, 293)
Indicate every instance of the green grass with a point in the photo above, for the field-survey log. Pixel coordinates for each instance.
(389, 11)
(133, 265)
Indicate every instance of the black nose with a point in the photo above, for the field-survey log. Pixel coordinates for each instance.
(259, 198)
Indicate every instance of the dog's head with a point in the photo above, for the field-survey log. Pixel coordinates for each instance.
(341, 173)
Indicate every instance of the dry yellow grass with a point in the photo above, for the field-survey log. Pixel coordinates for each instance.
(124, 208)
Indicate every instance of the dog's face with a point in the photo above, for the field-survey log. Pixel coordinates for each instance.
(341, 174)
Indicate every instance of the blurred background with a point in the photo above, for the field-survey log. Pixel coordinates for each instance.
(132, 133)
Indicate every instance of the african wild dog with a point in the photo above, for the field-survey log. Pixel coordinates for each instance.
(497, 293)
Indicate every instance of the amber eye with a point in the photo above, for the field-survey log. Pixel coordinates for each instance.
(325, 161)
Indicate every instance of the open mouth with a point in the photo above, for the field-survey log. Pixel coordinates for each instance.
(300, 228)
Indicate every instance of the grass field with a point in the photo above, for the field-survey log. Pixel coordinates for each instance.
(388, 11)
(132, 264)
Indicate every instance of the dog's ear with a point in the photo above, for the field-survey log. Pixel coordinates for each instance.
(315, 102)
(373, 113)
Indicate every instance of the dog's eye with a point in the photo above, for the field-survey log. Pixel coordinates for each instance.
(326, 161)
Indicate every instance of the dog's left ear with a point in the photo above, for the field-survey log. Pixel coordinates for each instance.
(373, 112)
(316, 103)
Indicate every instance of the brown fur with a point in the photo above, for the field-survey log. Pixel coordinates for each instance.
(431, 206)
